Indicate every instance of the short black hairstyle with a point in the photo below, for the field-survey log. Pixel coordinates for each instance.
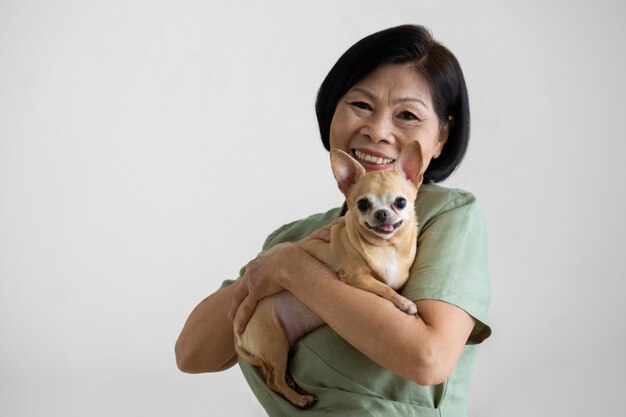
(433, 61)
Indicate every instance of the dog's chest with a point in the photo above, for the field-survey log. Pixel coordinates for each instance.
(389, 267)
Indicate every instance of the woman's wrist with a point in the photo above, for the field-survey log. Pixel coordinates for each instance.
(297, 265)
(289, 265)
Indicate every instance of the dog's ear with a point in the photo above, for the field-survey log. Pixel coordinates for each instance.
(411, 163)
(345, 169)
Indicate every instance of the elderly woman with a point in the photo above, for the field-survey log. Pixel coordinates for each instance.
(393, 87)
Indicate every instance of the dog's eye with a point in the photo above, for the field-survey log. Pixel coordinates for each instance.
(400, 203)
(363, 204)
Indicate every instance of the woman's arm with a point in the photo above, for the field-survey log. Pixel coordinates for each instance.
(206, 343)
(422, 348)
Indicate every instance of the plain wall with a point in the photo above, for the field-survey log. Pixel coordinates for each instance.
(147, 148)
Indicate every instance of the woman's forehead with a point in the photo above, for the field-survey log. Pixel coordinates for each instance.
(400, 83)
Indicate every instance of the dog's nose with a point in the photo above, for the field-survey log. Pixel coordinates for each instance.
(381, 215)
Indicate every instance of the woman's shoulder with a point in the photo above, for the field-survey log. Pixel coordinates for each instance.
(434, 200)
(302, 228)
(438, 196)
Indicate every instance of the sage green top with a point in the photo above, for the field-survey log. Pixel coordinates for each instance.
(451, 265)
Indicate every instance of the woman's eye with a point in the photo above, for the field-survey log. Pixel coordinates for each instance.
(407, 115)
(361, 105)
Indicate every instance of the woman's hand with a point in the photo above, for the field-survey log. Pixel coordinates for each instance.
(206, 342)
(323, 233)
(263, 276)
(261, 279)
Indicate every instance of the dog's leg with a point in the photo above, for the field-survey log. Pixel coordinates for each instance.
(264, 343)
(275, 368)
(366, 281)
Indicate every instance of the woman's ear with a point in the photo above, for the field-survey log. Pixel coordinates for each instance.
(442, 138)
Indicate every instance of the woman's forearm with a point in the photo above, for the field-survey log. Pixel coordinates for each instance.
(368, 322)
(206, 342)
(422, 348)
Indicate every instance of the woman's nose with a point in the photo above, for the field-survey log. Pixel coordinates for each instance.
(379, 128)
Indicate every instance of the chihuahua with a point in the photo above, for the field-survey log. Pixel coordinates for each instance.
(372, 249)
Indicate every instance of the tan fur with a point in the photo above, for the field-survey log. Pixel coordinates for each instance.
(360, 257)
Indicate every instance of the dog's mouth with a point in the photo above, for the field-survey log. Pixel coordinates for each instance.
(385, 229)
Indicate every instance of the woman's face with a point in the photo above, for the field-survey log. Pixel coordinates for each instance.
(383, 112)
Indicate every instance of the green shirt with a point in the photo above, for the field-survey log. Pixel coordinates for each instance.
(451, 265)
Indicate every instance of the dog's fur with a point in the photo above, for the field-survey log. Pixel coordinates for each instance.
(372, 250)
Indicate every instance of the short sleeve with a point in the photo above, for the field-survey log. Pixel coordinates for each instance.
(293, 232)
(451, 261)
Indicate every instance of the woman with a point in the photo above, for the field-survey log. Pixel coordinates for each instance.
(393, 87)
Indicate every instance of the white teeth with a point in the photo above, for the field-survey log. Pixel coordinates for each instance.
(372, 159)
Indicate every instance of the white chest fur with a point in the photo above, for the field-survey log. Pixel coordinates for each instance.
(390, 268)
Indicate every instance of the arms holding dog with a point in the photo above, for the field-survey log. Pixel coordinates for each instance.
(422, 348)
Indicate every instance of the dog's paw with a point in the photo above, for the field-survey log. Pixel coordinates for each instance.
(307, 401)
(408, 307)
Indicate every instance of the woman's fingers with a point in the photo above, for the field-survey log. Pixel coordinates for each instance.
(323, 233)
(259, 281)
(241, 307)
(339, 220)
(240, 294)
(246, 309)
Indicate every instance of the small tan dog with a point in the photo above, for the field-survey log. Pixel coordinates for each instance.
(372, 250)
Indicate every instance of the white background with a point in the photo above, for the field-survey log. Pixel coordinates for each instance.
(148, 147)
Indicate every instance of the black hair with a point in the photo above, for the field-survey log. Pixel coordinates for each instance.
(440, 69)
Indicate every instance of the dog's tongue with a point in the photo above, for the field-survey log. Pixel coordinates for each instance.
(387, 228)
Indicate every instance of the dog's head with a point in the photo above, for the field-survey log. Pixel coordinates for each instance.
(382, 202)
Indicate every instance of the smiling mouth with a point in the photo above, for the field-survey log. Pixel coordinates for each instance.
(384, 229)
(371, 159)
